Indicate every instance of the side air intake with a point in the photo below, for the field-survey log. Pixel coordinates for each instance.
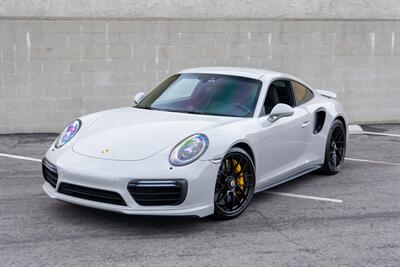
(319, 121)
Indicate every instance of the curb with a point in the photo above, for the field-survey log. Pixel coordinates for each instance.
(355, 129)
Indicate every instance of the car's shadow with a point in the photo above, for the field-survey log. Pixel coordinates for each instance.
(102, 221)
(135, 225)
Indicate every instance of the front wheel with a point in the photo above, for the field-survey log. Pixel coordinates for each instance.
(335, 148)
(235, 184)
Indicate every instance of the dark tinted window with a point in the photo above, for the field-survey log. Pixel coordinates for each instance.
(209, 94)
(279, 91)
(301, 93)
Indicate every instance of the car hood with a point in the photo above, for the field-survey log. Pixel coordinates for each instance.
(136, 134)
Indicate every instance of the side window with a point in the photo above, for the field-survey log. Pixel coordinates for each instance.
(279, 91)
(301, 93)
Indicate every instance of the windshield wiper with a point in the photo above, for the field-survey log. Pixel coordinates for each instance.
(148, 107)
(179, 111)
(208, 113)
(195, 112)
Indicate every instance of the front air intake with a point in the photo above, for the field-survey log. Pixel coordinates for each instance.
(158, 192)
(50, 173)
(92, 194)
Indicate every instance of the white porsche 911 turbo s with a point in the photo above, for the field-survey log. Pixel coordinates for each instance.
(203, 142)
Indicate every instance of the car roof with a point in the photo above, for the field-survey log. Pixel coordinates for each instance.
(247, 72)
(236, 71)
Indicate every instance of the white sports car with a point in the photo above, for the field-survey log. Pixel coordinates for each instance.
(203, 142)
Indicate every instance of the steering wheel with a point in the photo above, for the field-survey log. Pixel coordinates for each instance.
(242, 107)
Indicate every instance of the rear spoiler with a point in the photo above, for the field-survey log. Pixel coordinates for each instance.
(328, 94)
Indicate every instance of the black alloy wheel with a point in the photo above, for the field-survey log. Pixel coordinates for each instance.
(235, 183)
(335, 148)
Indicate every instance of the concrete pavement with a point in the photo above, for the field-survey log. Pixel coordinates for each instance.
(275, 230)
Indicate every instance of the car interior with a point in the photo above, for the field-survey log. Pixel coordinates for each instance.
(280, 91)
(231, 96)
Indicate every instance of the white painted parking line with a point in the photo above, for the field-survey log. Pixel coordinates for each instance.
(304, 196)
(374, 161)
(382, 134)
(19, 157)
(266, 192)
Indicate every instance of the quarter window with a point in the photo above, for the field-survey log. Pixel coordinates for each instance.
(301, 93)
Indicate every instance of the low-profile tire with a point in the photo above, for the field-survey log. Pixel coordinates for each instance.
(235, 184)
(335, 148)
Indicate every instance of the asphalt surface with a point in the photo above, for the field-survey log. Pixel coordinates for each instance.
(364, 230)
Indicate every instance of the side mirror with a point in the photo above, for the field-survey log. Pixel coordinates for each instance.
(279, 111)
(137, 98)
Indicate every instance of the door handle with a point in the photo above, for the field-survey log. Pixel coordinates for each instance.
(306, 124)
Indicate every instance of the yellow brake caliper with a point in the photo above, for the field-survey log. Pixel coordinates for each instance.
(239, 179)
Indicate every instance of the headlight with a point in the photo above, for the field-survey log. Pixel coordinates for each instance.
(189, 150)
(68, 133)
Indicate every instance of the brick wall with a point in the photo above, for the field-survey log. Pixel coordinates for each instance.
(53, 71)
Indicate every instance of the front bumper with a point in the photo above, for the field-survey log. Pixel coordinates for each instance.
(114, 176)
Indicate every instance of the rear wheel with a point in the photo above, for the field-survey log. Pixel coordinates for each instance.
(335, 148)
(234, 188)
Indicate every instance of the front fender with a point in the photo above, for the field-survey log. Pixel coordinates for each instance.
(87, 121)
(226, 136)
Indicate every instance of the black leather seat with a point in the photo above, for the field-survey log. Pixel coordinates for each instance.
(271, 99)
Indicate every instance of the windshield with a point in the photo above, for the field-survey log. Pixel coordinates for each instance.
(208, 94)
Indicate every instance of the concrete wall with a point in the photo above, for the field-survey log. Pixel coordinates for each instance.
(337, 9)
(54, 70)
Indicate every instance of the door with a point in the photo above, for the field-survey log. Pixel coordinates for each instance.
(284, 140)
(302, 96)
